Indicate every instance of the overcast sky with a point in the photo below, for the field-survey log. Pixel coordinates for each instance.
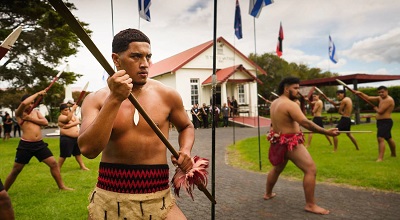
(366, 32)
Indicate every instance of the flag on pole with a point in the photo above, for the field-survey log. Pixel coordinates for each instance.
(332, 51)
(144, 9)
(238, 22)
(256, 6)
(279, 49)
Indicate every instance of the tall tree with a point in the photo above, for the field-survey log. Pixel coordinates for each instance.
(278, 68)
(42, 47)
(40, 52)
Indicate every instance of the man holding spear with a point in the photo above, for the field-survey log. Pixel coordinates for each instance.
(344, 124)
(384, 122)
(31, 143)
(317, 119)
(133, 177)
(287, 141)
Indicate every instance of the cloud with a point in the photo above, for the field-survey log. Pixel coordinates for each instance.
(383, 48)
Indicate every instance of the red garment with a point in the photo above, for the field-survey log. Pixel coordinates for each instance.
(280, 144)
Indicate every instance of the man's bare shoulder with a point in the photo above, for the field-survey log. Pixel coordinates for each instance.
(96, 98)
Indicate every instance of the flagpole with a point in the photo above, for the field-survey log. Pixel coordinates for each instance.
(258, 114)
(214, 96)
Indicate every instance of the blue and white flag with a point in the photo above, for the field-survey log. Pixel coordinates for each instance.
(332, 51)
(144, 9)
(256, 6)
(238, 22)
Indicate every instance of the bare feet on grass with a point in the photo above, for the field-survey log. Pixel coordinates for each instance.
(316, 210)
(269, 196)
(66, 188)
(84, 168)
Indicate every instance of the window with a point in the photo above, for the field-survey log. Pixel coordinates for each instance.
(241, 98)
(194, 91)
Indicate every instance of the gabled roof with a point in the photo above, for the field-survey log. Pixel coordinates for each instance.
(176, 62)
(223, 75)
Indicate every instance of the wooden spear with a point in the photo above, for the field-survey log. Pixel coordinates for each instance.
(354, 92)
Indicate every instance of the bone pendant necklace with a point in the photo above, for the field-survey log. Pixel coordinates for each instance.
(136, 112)
(136, 117)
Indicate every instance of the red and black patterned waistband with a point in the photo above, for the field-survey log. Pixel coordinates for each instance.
(134, 179)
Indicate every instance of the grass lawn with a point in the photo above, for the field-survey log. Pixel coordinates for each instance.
(35, 194)
(347, 166)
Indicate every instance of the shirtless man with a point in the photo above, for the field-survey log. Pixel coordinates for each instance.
(317, 119)
(108, 128)
(31, 143)
(287, 117)
(69, 132)
(384, 122)
(344, 124)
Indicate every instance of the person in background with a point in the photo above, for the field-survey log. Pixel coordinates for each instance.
(195, 116)
(16, 127)
(69, 132)
(225, 114)
(287, 141)
(344, 124)
(205, 111)
(317, 119)
(31, 143)
(7, 127)
(384, 122)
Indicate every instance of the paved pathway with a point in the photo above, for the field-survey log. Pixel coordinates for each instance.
(239, 193)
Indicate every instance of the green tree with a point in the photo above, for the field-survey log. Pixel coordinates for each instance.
(278, 68)
(41, 49)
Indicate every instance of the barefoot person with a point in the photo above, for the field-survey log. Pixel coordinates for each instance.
(384, 122)
(31, 143)
(131, 148)
(69, 132)
(344, 124)
(317, 119)
(287, 141)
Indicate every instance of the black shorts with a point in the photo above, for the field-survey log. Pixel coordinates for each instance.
(344, 124)
(69, 146)
(318, 120)
(384, 128)
(1, 186)
(26, 150)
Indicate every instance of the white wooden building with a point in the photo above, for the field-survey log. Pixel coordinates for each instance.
(190, 73)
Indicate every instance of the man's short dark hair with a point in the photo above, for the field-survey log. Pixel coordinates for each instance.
(122, 40)
(340, 91)
(63, 106)
(287, 82)
(382, 87)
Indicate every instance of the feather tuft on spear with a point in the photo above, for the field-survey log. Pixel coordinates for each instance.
(195, 176)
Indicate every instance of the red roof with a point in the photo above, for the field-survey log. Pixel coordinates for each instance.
(175, 62)
(224, 74)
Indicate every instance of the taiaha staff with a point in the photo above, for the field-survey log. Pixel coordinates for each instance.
(326, 98)
(273, 93)
(354, 92)
(41, 97)
(9, 41)
(83, 92)
(198, 178)
(343, 132)
(266, 100)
